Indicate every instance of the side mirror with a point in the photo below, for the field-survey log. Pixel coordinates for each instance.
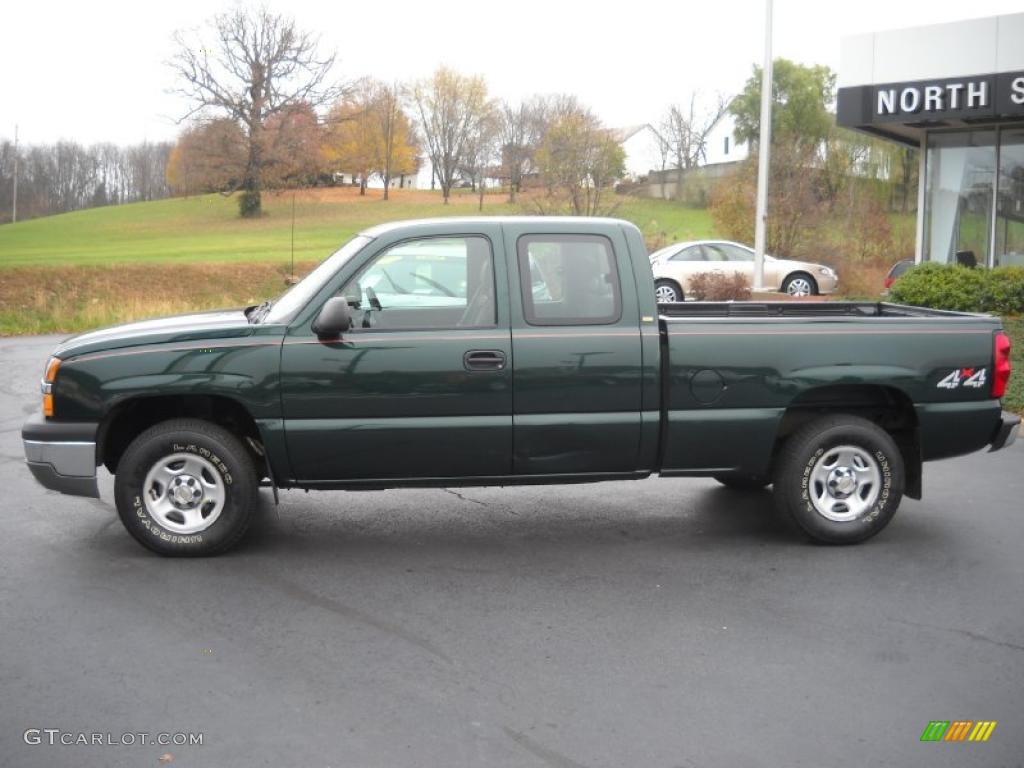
(334, 319)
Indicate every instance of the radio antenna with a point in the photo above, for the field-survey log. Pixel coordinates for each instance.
(293, 236)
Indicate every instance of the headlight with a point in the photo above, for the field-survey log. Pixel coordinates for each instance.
(827, 271)
(49, 374)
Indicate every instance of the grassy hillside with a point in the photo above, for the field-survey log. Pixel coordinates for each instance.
(107, 265)
(207, 229)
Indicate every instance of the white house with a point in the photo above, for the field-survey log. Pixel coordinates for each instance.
(721, 145)
(399, 181)
(643, 147)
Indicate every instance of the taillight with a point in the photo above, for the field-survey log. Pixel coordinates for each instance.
(1002, 367)
(889, 281)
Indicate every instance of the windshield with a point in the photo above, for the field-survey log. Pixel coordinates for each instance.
(668, 250)
(296, 297)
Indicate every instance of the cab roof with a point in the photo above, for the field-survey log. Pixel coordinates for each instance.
(574, 223)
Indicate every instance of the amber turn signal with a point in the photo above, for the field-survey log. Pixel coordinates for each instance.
(47, 385)
(51, 369)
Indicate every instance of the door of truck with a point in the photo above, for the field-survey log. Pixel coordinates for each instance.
(421, 386)
(577, 348)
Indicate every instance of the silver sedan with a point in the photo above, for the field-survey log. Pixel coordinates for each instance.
(675, 265)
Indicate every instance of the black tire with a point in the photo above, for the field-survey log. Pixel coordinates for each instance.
(799, 490)
(791, 279)
(739, 482)
(228, 468)
(666, 286)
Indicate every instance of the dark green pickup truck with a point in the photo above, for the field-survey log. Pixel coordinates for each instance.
(518, 350)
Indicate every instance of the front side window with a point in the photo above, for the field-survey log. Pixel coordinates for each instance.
(569, 280)
(436, 282)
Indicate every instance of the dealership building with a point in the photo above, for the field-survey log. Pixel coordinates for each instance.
(956, 91)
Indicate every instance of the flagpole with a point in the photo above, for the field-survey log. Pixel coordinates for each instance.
(763, 153)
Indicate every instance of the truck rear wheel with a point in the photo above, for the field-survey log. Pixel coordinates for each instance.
(186, 487)
(840, 478)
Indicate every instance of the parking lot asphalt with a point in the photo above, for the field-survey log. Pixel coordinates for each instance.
(657, 623)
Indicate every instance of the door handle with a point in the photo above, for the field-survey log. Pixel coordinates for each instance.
(484, 360)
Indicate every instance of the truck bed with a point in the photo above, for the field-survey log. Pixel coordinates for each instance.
(734, 370)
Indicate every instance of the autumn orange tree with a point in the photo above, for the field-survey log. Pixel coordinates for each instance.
(208, 157)
(212, 156)
(293, 148)
(370, 134)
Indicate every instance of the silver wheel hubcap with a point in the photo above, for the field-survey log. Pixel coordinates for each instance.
(799, 287)
(665, 293)
(184, 493)
(844, 483)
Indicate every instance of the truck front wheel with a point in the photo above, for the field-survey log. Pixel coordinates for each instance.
(186, 487)
(840, 478)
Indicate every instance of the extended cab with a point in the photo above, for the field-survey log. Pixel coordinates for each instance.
(496, 351)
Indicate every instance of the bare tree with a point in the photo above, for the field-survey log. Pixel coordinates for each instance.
(481, 151)
(66, 176)
(451, 107)
(261, 65)
(685, 131)
(516, 125)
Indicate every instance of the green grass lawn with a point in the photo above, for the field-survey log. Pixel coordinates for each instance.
(1014, 399)
(208, 229)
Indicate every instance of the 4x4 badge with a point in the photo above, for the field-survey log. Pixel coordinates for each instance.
(964, 377)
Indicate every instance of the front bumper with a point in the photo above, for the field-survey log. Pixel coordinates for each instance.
(1006, 432)
(62, 455)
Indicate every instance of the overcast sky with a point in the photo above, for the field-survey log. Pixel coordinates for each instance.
(95, 71)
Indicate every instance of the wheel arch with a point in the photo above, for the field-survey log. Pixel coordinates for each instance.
(800, 273)
(887, 406)
(131, 417)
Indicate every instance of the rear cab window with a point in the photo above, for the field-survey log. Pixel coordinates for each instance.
(569, 280)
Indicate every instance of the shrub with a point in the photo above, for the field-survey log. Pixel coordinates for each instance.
(950, 286)
(1006, 291)
(717, 286)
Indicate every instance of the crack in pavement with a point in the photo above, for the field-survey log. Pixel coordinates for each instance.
(345, 611)
(464, 498)
(965, 632)
(549, 756)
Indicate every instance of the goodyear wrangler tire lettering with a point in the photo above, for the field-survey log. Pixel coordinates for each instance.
(840, 478)
(186, 468)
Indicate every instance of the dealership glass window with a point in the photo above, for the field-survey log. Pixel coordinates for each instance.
(960, 173)
(1010, 199)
